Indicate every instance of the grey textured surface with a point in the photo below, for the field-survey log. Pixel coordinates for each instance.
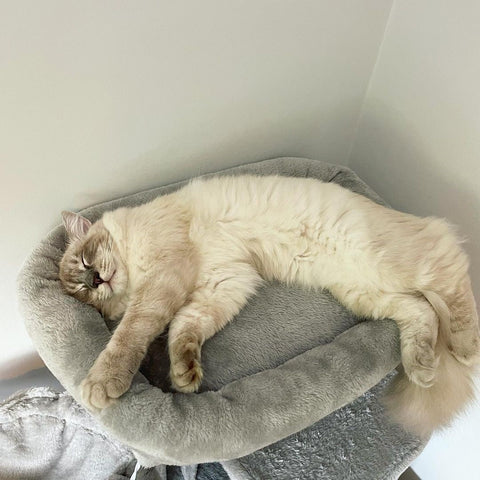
(355, 442)
(280, 367)
(46, 435)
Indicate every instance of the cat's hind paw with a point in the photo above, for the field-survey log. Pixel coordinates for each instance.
(420, 363)
(465, 346)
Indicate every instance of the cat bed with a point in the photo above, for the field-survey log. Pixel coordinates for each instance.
(290, 358)
(60, 440)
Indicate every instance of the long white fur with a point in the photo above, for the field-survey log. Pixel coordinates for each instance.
(236, 232)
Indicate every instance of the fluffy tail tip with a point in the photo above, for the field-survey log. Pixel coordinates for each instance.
(424, 410)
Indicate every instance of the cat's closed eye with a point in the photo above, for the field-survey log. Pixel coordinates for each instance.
(85, 263)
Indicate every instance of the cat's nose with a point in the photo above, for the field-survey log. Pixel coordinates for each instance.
(97, 279)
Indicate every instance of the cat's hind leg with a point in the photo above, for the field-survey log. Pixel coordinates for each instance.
(464, 340)
(220, 294)
(418, 324)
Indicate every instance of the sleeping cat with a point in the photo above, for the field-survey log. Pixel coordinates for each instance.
(192, 258)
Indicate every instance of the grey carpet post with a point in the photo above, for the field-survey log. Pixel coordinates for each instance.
(46, 435)
(289, 359)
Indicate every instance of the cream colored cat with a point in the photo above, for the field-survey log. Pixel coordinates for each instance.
(192, 258)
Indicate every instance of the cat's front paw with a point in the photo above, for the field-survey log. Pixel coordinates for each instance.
(185, 369)
(104, 383)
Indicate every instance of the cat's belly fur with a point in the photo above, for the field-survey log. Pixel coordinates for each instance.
(293, 230)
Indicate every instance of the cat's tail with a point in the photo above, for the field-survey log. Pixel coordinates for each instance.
(423, 410)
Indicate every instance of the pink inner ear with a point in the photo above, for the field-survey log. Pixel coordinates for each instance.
(76, 225)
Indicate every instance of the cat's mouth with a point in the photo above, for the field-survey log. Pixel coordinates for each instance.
(109, 282)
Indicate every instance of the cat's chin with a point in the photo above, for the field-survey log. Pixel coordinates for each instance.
(117, 283)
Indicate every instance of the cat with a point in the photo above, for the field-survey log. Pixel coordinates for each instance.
(192, 258)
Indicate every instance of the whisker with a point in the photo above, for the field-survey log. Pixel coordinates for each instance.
(79, 288)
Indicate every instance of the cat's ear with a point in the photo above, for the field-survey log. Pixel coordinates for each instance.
(76, 225)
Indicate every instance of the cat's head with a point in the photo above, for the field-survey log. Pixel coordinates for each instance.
(91, 269)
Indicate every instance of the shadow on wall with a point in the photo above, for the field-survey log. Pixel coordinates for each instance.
(196, 148)
(40, 377)
(20, 365)
(394, 159)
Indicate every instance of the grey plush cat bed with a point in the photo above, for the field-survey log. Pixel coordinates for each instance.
(289, 359)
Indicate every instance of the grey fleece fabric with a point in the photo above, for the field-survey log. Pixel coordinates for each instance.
(46, 435)
(278, 368)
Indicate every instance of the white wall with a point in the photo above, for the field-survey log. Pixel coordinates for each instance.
(418, 145)
(100, 99)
